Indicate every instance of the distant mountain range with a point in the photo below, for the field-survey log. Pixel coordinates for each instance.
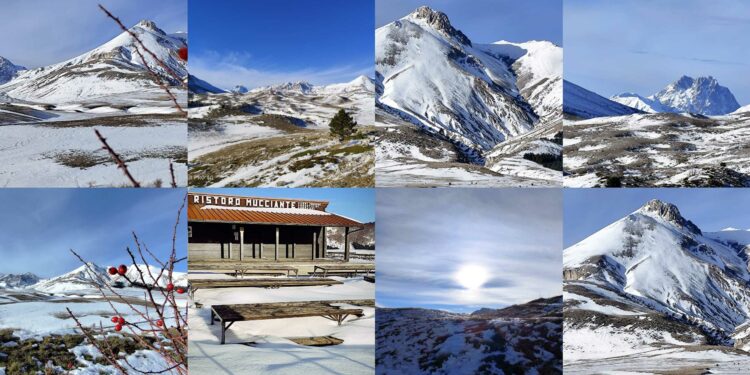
(84, 278)
(525, 338)
(702, 95)
(110, 69)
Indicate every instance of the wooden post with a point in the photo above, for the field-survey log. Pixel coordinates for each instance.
(242, 241)
(346, 244)
(276, 249)
(315, 242)
(323, 238)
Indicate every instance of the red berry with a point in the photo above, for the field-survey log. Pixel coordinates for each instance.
(115, 319)
(120, 320)
(159, 323)
(112, 270)
(118, 328)
(180, 290)
(170, 287)
(122, 270)
(183, 53)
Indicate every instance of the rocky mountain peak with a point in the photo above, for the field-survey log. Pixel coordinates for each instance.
(239, 89)
(8, 70)
(440, 22)
(149, 25)
(668, 212)
(701, 95)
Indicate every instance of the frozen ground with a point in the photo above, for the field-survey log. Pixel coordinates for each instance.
(662, 149)
(259, 347)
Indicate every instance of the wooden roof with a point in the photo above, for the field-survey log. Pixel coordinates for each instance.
(197, 213)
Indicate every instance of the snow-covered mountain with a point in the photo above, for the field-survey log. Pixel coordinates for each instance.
(110, 69)
(239, 89)
(150, 275)
(520, 339)
(701, 95)
(8, 70)
(431, 73)
(81, 278)
(13, 281)
(744, 109)
(659, 271)
(199, 86)
(642, 103)
(586, 104)
(538, 68)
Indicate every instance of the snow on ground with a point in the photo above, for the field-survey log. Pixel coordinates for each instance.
(271, 352)
(25, 148)
(226, 134)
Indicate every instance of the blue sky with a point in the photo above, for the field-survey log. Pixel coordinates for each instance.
(426, 235)
(260, 43)
(487, 21)
(42, 32)
(641, 46)
(358, 204)
(588, 210)
(38, 227)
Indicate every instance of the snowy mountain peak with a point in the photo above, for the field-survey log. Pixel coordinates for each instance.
(239, 89)
(149, 25)
(301, 86)
(8, 70)
(440, 22)
(668, 212)
(701, 95)
(86, 276)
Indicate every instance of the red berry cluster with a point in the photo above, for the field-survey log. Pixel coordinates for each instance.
(121, 270)
(183, 53)
(119, 322)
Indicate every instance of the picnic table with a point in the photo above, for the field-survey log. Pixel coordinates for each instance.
(229, 314)
(242, 269)
(348, 268)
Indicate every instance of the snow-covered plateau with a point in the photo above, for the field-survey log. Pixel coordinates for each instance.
(38, 334)
(264, 346)
(48, 116)
(446, 107)
(279, 136)
(653, 293)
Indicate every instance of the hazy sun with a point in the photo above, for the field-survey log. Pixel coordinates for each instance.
(471, 276)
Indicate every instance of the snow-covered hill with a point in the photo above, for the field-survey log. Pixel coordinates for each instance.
(745, 109)
(81, 278)
(239, 89)
(585, 104)
(110, 69)
(520, 339)
(8, 70)
(651, 280)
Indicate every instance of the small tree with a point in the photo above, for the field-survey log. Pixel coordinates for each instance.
(342, 125)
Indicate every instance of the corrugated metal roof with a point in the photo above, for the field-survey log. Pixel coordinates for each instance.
(229, 215)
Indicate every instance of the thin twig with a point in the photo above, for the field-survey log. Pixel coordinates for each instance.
(120, 163)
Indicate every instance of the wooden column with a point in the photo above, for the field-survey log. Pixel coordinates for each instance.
(324, 246)
(276, 248)
(314, 243)
(242, 240)
(293, 254)
(346, 244)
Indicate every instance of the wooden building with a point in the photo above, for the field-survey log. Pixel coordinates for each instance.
(223, 227)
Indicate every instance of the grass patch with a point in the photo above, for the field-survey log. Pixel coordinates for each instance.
(354, 149)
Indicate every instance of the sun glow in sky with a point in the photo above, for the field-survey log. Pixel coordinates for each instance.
(471, 276)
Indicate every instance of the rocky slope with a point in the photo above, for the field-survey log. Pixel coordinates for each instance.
(584, 104)
(519, 339)
(363, 239)
(654, 280)
(12, 281)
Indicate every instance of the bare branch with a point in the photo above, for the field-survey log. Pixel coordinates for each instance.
(118, 160)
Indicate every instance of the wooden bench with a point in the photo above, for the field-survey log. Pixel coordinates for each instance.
(348, 268)
(229, 314)
(242, 269)
(272, 282)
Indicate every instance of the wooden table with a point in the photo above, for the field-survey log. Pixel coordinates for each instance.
(229, 314)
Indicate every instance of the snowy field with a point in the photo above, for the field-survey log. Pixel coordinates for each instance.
(259, 347)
